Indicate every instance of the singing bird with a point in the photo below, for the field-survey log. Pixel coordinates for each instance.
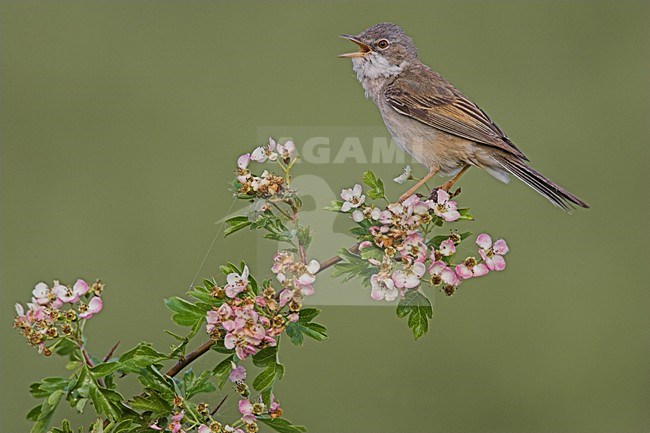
(433, 121)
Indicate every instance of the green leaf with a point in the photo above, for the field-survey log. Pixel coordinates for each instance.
(154, 381)
(126, 426)
(376, 185)
(141, 356)
(67, 347)
(418, 309)
(282, 425)
(265, 357)
(185, 312)
(81, 404)
(149, 403)
(465, 215)
(266, 378)
(335, 207)
(197, 384)
(296, 330)
(34, 413)
(107, 402)
(222, 370)
(373, 253)
(306, 315)
(304, 236)
(235, 224)
(352, 266)
(49, 385)
(104, 369)
(65, 428)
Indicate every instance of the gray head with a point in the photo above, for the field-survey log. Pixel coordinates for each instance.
(385, 42)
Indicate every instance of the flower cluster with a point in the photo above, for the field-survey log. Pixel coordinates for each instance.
(250, 411)
(293, 274)
(248, 322)
(55, 311)
(179, 423)
(274, 151)
(399, 245)
(267, 184)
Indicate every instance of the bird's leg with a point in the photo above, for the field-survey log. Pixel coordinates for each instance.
(421, 182)
(447, 185)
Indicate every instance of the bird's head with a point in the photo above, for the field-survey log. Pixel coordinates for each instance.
(384, 50)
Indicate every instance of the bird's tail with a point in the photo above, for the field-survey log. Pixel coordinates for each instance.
(557, 195)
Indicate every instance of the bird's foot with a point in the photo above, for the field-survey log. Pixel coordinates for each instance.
(445, 187)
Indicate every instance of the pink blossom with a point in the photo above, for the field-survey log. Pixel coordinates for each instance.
(447, 248)
(440, 270)
(364, 244)
(353, 198)
(285, 296)
(65, 294)
(246, 410)
(246, 332)
(237, 373)
(410, 276)
(243, 161)
(175, 425)
(262, 153)
(95, 306)
(204, 429)
(445, 208)
(293, 317)
(236, 283)
(287, 150)
(413, 248)
(492, 254)
(358, 216)
(42, 294)
(469, 269)
(80, 287)
(383, 287)
(274, 407)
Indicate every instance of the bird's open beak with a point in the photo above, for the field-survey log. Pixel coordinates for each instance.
(363, 48)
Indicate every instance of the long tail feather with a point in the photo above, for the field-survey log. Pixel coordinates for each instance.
(557, 195)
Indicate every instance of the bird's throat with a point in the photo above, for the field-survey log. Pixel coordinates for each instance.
(373, 70)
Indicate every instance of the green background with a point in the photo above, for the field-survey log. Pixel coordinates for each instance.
(120, 124)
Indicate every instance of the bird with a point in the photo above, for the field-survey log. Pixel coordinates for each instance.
(433, 121)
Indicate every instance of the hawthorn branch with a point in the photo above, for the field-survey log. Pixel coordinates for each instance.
(205, 347)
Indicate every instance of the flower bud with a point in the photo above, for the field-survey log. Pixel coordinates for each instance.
(470, 262)
(242, 388)
(269, 292)
(97, 288)
(294, 306)
(278, 321)
(218, 292)
(449, 290)
(258, 408)
(202, 408)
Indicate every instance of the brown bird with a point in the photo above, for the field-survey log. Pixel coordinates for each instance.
(433, 121)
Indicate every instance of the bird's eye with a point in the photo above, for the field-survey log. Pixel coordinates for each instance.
(382, 43)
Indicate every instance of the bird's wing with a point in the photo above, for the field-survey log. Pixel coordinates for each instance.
(427, 97)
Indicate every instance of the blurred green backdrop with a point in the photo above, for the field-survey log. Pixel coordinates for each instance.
(120, 122)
